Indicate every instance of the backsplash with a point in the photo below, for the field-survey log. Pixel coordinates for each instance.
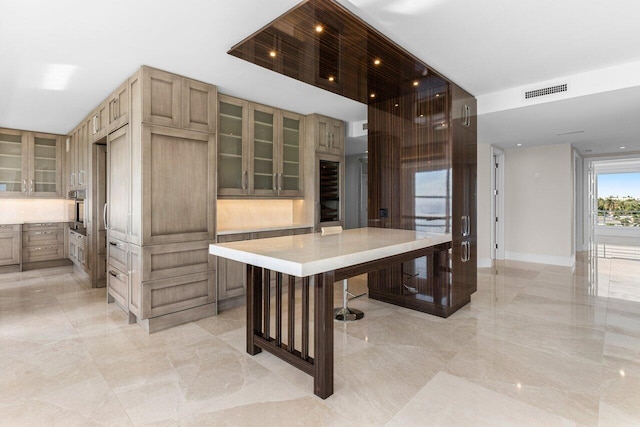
(29, 210)
(238, 214)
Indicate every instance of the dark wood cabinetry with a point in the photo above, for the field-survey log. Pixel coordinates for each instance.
(422, 176)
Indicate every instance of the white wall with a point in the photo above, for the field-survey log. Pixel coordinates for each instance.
(539, 204)
(484, 204)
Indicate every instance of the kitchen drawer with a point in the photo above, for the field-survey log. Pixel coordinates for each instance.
(118, 286)
(175, 259)
(42, 253)
(177, 293)
(117, 254)
(44, 226)
(48, 237)
(9, 227)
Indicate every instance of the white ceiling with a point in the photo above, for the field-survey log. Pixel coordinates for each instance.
(485, 46)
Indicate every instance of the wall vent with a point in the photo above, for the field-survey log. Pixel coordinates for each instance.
(546, 91)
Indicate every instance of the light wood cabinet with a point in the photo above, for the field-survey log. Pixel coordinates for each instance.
(328, 134)
(30, 164)
(233, 146)
(99, 122)
(174, 101)
(43, 243)
(118, 183)
(260, 150)
(78, 249)
(10, 244)
(161, 201)
(118, 107)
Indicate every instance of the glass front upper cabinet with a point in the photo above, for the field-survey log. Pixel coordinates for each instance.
(30, 164)
(290, 180)
(265, 178)
(12, 163)
(232, 148)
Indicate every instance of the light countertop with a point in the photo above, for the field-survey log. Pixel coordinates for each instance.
(250, 229)
(308, 254)
(17, 222)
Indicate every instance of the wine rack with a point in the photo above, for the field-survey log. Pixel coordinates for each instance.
(329, 191)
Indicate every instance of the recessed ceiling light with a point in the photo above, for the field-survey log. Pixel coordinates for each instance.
(57, 76)
(416, 83)
(319, 28)
(331, 78)
(377, 61)
(623, 147)
(373, 95)
(519, 145)
(437, 95)
(421, 115)
(272, 54)
(396, 105)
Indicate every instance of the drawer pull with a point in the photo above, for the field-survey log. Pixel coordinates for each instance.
(43, 224)
(44, 232)
(114, 274)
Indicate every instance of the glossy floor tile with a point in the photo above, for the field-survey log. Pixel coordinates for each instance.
(538, 346)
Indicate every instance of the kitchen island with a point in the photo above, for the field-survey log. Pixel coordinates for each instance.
(314, 261)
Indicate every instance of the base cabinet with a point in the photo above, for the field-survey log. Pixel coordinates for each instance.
(153, 282)
(10, 245)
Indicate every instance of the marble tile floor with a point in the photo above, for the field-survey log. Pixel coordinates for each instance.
(539, 345)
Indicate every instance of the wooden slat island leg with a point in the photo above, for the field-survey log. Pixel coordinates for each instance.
(254, 307)
(323, 335)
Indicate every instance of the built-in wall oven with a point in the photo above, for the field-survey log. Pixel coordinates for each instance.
(77, 208)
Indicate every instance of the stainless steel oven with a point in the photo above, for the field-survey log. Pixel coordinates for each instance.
(78, 208)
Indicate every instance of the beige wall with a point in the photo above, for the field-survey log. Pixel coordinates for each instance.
(484, 205)
(539, 204)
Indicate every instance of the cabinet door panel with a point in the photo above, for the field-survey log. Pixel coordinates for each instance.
(233, 119)
(198, 106)
(230, 278)
(161, 103)
(13, 163)
(177, 293)
(178, 168)
(10, 247)
(263, 179)
(118, 107)
(118, 287)
(291, 158)
(118, 177)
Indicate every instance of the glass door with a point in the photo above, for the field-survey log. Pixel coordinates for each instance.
(44, 167)
(13, 180)
(264, 177)
(290, 178)
(232, 166)
(329, 190)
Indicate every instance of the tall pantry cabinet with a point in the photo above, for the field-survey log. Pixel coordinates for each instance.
(161, 200)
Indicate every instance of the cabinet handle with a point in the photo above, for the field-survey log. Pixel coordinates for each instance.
(24, 185)
(111, 272)
(245, 182)
(44, 232)
(73, 179)
(280, 182)
(104, 216)
(114, 244)
(274, 182)
(464, 225)
(31, 186)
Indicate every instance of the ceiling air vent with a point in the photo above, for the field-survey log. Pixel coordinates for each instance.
(546, 91)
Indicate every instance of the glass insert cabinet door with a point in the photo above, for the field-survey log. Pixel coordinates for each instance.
(45, 165)
(291, 154)
(232, 171)
(13, 165)
(264, 177)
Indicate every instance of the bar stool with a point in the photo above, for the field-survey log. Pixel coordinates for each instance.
(343, 313)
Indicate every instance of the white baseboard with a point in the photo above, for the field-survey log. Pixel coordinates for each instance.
(484, 262)
(541, 259)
